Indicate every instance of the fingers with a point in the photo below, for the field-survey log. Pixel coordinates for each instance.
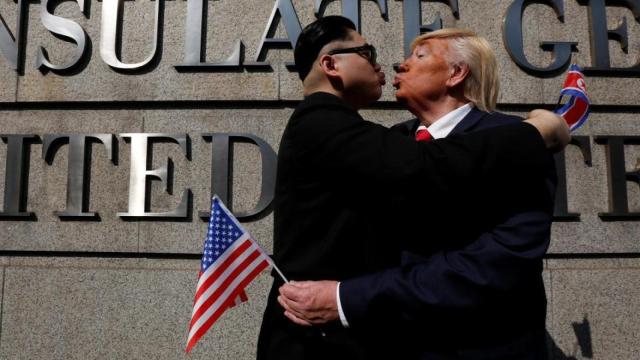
(292, 308)
(296, 320)
(291, 291)
(292, 313)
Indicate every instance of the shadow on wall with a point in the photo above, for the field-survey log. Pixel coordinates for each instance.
(582, 346)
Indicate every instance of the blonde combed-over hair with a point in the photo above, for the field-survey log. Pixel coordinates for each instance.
(481, 86)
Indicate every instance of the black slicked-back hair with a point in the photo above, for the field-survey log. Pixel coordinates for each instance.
(315, 36)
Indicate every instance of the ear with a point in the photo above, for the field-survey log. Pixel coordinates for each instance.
(458, 73)
(329, 67)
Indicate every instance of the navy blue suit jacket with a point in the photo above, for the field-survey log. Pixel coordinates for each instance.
(471, 287)
(336, 172)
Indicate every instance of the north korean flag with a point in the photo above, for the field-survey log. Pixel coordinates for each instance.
(576, 110)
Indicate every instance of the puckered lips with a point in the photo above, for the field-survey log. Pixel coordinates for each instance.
(381, 78)
(396, 82)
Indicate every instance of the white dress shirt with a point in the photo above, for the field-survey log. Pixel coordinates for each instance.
(438, 129)
(443, 126)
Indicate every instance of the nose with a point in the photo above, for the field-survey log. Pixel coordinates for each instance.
(377, 67)
(400, 67)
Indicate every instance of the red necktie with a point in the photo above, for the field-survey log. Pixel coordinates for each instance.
(423, 135)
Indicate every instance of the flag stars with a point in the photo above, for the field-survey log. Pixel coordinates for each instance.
(222, 232)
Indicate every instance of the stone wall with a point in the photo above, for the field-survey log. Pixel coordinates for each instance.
(115, 288)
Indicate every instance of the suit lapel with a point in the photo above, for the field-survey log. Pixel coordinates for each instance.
(468, 122)
(408, 128)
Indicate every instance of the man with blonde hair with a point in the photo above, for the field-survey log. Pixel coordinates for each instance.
(470, 287)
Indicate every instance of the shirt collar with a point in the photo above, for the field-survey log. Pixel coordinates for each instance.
(443, 126)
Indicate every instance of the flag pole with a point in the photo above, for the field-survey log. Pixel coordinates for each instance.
(269, 259)
(278, 270)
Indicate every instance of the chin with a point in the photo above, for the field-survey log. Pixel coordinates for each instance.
(375, 94)
(401, 99)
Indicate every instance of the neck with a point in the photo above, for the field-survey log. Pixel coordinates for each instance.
(327, 88)
(429, 112)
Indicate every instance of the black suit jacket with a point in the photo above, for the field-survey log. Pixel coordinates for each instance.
(338, 177)
(475, 291)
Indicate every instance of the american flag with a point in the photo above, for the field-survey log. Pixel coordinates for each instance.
(230, 261)
(576, 110)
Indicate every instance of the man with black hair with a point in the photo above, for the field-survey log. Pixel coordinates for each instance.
(338, 175)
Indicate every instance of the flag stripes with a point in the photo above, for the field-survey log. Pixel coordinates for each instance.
(213, 306)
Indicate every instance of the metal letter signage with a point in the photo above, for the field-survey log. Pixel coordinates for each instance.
(194, 53)
(17, 177)
(139, 200)
(13, 48)
(139, 207)
(412, 12)
(194, 60)
(618, 177)
(513, 41)
(284, 10)
(221, 166)
(79, 169)
(600, 36)
(351, 10)
(111, 10)
(63, 27)
(561, 207)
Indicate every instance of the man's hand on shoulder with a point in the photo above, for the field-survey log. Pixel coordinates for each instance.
(553, 128)
(309, 303)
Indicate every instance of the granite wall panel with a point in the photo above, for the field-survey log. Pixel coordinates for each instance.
(594, 309)
(135, 308)
(588, 192)
(131, 309)
(588, 189)
(8, 83)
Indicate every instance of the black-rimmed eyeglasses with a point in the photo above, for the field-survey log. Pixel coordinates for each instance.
(366, 51)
